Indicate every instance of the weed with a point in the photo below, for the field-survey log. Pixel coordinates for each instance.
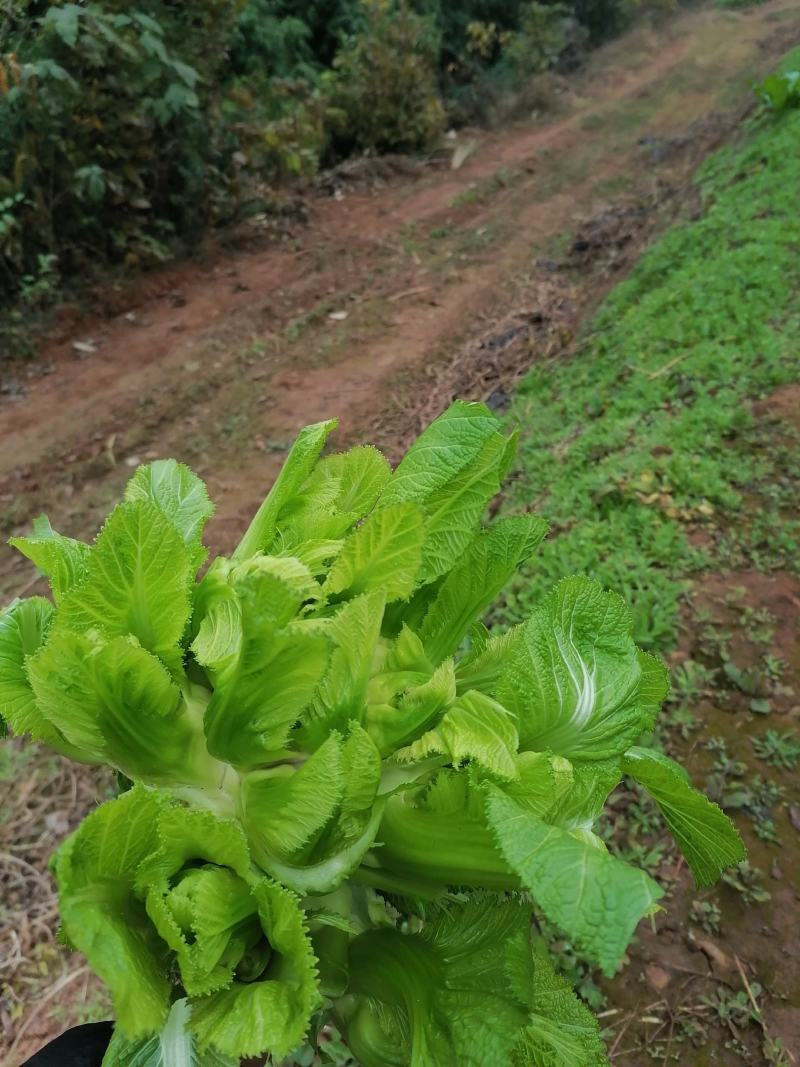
(774, 667)
(748, 883)
(700, 329)
(482, 191)
(572, 965)
(779, 750)
(707, 914)
(438, 233)
(733, 1007)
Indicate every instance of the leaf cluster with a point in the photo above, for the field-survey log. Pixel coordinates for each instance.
(347, 790)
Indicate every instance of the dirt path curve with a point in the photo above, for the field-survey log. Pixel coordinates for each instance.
(220, 364)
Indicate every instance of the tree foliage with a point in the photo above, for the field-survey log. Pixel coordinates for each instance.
(125, 128)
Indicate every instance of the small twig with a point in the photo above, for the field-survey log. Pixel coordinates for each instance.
(669, 1040)
(667, 366)
(621, 1033)
(410, 292)
(749, 991)
(756, 1009)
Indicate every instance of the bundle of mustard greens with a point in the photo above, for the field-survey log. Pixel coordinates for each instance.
(342, 797)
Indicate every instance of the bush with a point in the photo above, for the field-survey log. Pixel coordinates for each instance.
(384, 86)
(546, 33)
(106, 142)
(780, 91)
(125, 130)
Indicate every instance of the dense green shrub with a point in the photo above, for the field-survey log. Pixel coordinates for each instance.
(780, 91)
(126, 127)
(105, 134)
(384, 87)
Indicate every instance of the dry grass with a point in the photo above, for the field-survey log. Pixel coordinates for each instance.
(42, 799)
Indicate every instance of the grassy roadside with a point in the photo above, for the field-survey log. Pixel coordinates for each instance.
(665, 455)
(644, 451)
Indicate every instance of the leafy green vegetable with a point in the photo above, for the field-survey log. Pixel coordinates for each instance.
(180, 495)
(335, 763)
(137, 582)
(707, 837)
(173, 1044)
(442, 996)
(62, 559)
(580, 886)
(576, 681)
(148, 887)
(562, 1032)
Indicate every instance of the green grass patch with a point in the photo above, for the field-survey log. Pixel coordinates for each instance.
(649, 432)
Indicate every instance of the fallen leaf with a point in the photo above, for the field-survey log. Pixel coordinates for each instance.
(717, 958)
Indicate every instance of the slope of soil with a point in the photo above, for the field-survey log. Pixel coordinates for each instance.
(666, 454)
(402, 291)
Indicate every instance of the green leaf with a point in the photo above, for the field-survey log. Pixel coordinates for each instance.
(475, 582)
(441, 996)
(562, 1031)
(359, 476)
(581, 804)
(392, 727)
(284, 808)
(475, 728)
(173, 1046)
(705, 834)
(361, 763)
(234, 933)
(453, 511)
(115, 702)
(440, 452)
(299, 464)
(273, 1013)
(137, 582)
(198, 896)
(342, 694)
(62, 559)
(577, 682)
(594, 897)
(439, 836)
(539, 784)
(382, 554)
(64, 20)
(485, 664)
(326, 874)
(264, 668)
(95, 869)
(180, 495)
(23, 627)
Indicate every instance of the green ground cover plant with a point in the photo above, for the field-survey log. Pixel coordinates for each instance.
(341, 795)
(649, 432)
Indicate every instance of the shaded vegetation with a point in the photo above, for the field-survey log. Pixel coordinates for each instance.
(127, 131)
